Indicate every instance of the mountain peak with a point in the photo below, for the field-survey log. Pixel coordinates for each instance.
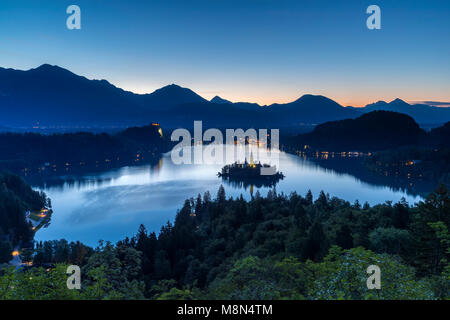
(303, 97)
(219, 100)
(49, 67)
(46, 66)
(51, 70)
(315, 99)
(398, 101)
(172, 89)
(173, 86)
(173, 94)
(309, 96)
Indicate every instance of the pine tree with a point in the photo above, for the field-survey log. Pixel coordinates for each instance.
(322, 200)
(316, 245)
(309, 197)
(428, 247)
(141, 244)
(198, 204)
(221, 197)
(206, 198)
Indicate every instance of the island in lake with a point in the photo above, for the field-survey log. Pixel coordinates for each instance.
(249, 174)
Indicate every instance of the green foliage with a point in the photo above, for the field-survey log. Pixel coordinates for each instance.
(442, 282)
(342, 276)
(429, 222)
(61, 251)
(115, 272)
(390, 240)
(112, 272)
(36, 284)
(252, 278)
(177, 294)
(277, 247)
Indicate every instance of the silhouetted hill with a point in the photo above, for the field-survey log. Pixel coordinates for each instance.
(422, 113)
(219, 100)
(168, 96)
(310, 109)
(33, 150)
(440, 136)
(376, 130)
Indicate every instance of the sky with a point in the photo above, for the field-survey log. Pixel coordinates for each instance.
(262, 51)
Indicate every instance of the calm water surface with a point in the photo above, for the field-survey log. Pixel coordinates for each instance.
(112, 205)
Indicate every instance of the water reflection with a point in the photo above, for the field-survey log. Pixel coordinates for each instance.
(355, 167)
(111, 205)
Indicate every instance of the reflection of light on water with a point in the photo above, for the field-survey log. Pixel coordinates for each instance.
(113, 204)
(218, 154)
(159, 165)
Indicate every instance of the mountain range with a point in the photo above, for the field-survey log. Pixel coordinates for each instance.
(422, 113)
(53, 96)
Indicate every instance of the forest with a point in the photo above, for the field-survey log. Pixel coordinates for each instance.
(366, 134)
(16, 197)
(274, 247)
(37, 151)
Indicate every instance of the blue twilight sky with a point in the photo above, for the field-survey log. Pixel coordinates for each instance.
(248, 50)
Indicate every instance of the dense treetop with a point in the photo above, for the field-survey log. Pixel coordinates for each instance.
(274, 247)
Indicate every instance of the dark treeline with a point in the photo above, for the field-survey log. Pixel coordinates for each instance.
(440, 136)
(413, 163)
(374, 131)
(277, 247)
(16, 197)
(57, 251)
(19, 151)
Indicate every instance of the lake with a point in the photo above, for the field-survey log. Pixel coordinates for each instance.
(111, 205)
